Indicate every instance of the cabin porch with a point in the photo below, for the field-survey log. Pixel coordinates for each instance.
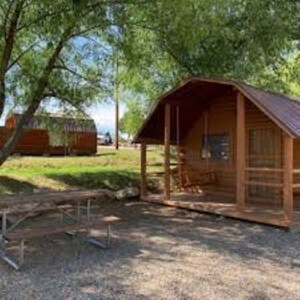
(218, 138)
(226, 206)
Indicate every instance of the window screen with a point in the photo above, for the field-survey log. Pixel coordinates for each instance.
(263, 146)
(215, 146)
(263, 149)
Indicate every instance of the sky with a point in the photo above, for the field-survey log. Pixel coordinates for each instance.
(104, 116)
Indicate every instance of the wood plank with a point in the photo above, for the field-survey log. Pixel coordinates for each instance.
(255, 214)
(288, 176)
(240, 152)
(143, 169)
(66, 196)
(54, 228)
(167, 150)
(261, 183)
(271, 170)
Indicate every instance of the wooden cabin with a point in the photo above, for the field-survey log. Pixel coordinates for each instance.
(73, 135)
(237, 150)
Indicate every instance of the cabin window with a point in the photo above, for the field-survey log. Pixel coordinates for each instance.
(215, 146)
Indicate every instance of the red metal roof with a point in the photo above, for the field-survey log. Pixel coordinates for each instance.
(283, 110)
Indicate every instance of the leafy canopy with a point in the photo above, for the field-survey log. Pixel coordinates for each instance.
(251, 40)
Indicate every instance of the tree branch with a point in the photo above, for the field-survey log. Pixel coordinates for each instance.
(36, 98)
(89, 80)
(16, 60)
(53, 94)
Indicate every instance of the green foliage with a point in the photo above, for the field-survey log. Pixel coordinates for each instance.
(59, 49)
(254, 41)
(67, 49)
(133, 118)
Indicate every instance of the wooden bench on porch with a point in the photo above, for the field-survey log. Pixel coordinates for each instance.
(191, 180)
(69, 220)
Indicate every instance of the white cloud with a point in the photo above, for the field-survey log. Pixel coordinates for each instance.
(104, 115)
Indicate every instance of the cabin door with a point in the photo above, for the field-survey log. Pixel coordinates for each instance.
(263, 152)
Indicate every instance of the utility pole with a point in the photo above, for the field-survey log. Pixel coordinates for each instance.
(117, 104)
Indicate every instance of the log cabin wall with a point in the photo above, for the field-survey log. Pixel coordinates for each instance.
(263, 144)
(36, 142)
(297, 176)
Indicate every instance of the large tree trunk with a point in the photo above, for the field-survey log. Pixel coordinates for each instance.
(10, 34)
(37, 97)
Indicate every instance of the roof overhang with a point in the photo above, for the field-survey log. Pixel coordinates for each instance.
(199, 91)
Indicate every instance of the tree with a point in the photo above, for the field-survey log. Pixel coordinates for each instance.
(245, 40)
(133, 118)
(55, 48)
(64, 48)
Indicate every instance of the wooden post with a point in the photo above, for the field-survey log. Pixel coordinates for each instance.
(116, 95)
(288, 177)
(167, 150)
(240, 152)
(143, 170)
(207, 158)
(179, 158)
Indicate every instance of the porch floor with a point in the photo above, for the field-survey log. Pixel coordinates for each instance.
(226, 206)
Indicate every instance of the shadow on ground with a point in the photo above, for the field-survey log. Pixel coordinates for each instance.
(10, 185)
(105, 154)
(113, 180)
(101, 179)
(172, 249)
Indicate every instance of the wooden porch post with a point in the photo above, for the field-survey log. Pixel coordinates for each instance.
(288, 177)
(143, 169)
(167, 150)
(207, 158)
(240, 152)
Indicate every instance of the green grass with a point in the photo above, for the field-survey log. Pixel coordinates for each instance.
(109, 169)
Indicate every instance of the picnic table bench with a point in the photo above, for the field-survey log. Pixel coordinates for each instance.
(67, 222)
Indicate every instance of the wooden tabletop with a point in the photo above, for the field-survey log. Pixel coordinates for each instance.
(65, 196)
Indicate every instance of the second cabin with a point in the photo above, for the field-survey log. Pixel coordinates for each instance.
(53, 134)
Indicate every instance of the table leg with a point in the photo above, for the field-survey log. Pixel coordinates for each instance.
(78, 211)
(88, 210)
(108, 235)
(22, 248)
(4, 223)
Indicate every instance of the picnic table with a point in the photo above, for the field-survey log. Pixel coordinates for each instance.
(78, 220)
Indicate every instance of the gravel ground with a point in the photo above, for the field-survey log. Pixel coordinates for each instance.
(161, 253)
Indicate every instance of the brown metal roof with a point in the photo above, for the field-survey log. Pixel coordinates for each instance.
(70, 123)
(283, 110)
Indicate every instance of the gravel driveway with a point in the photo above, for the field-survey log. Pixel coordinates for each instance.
(161, 253)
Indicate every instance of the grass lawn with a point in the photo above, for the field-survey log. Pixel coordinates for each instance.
(108, 169)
